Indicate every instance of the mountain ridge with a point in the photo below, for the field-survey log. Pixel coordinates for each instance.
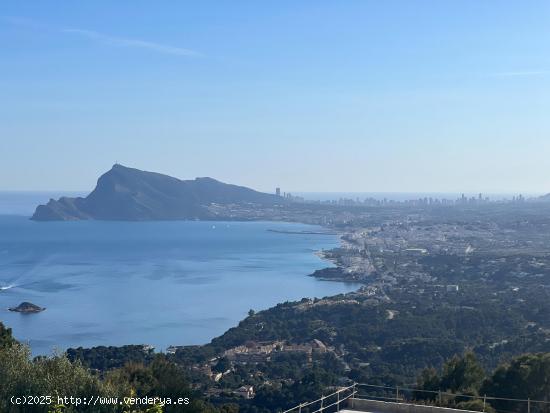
(130, 194)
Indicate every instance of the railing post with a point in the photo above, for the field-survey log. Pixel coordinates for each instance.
(353, 395)
(338, 401)
(397, 394)
(484, 401)
(322, 402)
(528, 405)
(300, 408)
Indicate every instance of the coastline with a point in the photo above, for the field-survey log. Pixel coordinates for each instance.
(335, 273)
(340, 271)
(305, 245)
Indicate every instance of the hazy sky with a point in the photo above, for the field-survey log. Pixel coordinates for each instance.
(384, 95)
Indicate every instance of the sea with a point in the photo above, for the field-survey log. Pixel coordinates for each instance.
(158, 283)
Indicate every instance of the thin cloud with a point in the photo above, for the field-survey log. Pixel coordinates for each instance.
(104, 38)
(523, 73)
(141, 44)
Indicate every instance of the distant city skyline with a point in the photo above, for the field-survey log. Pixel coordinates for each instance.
(354, 96)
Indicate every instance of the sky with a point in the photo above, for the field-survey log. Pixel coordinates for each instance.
(366, 96)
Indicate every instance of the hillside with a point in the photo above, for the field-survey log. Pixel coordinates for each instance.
(133, 195)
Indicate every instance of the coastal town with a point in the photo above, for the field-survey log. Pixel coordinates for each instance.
(432, 278)
(460, 262)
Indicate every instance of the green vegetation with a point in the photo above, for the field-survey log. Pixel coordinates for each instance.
(5, 337)
(21, 375)
(293, 378)
(526, 377)
(44, 376)
(107, 358)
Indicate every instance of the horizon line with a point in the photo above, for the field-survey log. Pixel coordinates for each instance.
(446, 192)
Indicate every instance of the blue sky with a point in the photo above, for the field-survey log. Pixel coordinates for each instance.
(408, 96)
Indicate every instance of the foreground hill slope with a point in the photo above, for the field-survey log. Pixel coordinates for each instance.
(130, 194)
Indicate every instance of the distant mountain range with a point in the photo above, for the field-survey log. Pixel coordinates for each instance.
(133, 195)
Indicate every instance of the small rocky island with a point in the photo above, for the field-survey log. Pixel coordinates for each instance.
(27, 308)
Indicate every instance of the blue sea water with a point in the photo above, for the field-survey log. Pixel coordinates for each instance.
(158, 283)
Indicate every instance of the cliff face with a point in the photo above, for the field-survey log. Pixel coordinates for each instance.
(134, 195)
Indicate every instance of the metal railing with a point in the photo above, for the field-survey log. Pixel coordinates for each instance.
(410, 395)
(329, 403)
(440, 398)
